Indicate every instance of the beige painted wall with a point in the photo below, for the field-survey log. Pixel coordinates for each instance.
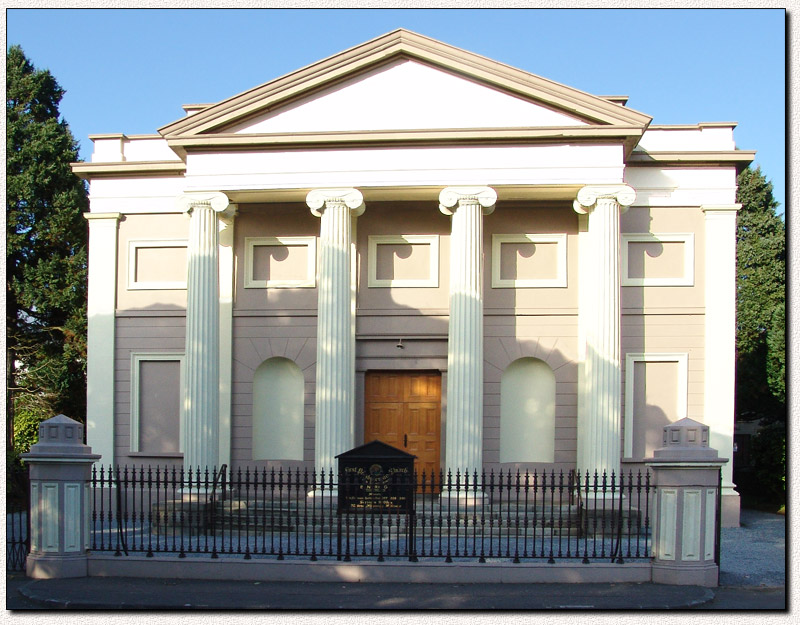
(667, 333)
(165, 227)
(639, 219)
(515, 218)
(273, 220)
(655, 399)
(402, 218)
(159, 406)
(530, 322)
(552, 339)
(140, 333)
(257, 338)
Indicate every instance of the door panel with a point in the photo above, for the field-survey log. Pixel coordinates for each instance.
(403, 409)
(383, 422)
(421, 421)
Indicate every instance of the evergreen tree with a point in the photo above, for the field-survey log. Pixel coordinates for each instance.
(760, 301)
(46, 238)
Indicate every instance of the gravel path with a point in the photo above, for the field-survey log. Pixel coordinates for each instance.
(755, 553)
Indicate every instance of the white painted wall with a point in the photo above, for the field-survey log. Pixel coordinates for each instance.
(682, 186)
(702, 137)
(408, 166)
(119, 148)
(406, 95)
(136, 195)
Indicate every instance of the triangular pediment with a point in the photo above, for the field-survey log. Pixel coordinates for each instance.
(404, 95)
(399, 82)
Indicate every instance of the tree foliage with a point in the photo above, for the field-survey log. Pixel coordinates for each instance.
(760, 301)
(46, 238)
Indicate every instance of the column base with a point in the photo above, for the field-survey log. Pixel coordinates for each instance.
(731, 507)
(324, 495)
(461, 499)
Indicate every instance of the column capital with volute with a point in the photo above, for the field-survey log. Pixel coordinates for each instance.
(451, 197)
(317, 199)
(216, 200)
(589, 195)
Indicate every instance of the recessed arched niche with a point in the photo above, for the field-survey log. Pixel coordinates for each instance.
(527, 412)
(278, 399)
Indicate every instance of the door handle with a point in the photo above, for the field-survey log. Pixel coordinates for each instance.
(405, 440)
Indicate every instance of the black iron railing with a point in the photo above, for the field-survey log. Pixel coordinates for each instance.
(18, 531)
(303, 514)
(17, 535)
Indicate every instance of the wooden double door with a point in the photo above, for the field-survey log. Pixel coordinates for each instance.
(403, 409)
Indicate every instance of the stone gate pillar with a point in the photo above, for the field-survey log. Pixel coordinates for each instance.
(60, 471)
(686, 472)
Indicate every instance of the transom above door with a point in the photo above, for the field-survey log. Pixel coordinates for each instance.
(403, 409)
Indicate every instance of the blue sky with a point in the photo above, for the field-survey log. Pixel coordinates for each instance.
(130, 70)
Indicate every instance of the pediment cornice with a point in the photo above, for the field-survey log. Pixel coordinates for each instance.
(400, 44)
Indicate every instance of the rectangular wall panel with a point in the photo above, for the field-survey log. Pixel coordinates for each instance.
(72, 517)
(50, 519)
(668, 518)
(711, 524)
(34, 507)
(690, 534)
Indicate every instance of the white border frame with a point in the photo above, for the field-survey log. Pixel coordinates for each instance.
(310, 280)
(432, 240)
(136, 359)
(560, 281)
(133, 247)
(682, 358)
(686, 238)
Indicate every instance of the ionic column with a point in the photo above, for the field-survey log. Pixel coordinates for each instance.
(334, 431)
(200, 431)
(600, 391)
(464, 431)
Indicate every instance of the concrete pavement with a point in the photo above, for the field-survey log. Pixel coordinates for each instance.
(753, 578)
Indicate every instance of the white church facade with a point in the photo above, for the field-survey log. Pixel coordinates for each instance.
(411, 243)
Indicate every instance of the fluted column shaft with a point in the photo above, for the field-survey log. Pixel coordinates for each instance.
(464, 431)
(200, 428)
(335, 385)
(200, 431)
(600, 416)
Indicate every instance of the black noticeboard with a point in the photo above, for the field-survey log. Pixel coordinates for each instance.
(376, 478)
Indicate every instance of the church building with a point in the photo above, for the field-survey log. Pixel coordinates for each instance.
(411, 243)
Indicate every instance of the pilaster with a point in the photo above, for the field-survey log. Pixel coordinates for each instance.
(720, 344)
(101, 332)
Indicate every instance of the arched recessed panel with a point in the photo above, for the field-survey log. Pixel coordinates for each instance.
(278, 398)
(527, 412)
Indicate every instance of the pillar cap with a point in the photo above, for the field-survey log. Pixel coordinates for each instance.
(685, 440)
(60, 437)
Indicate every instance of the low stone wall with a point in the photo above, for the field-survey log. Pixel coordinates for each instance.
(368, 571)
